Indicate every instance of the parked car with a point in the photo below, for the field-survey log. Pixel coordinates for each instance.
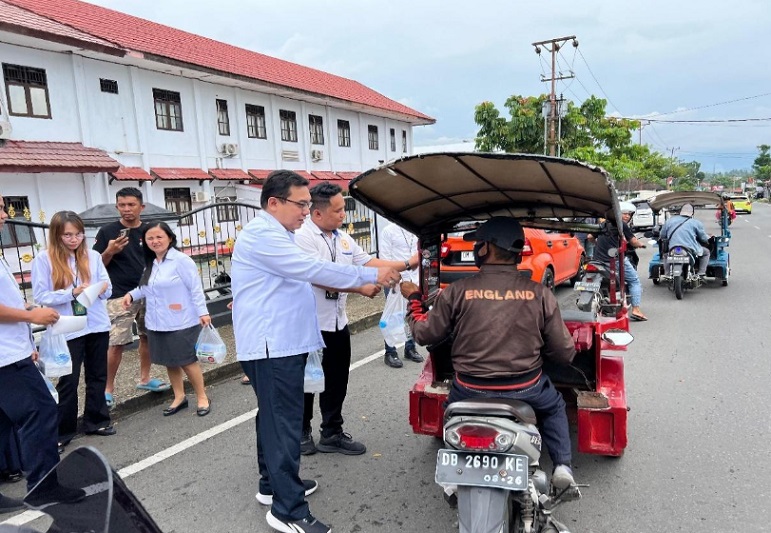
(742, 203)
(643, 216)
(550, 258)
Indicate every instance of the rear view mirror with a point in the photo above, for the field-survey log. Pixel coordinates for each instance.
(618, 337)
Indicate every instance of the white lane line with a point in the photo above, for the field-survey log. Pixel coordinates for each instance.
(28, 516)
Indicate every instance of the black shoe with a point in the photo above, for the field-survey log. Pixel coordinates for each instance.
(306, 525)
(307, 446)
(340, 443)
(392, 360)
(103, 432)
(413, 355)
(49, 493)
(10, 505)
(173, 410)
(11, 476)
(203, 411)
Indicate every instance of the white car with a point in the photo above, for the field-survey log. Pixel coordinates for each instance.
(643, 216)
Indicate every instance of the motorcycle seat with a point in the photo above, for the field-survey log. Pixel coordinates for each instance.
(502, 407)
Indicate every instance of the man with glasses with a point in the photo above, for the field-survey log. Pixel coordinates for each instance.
(120, 244)
(275, 326)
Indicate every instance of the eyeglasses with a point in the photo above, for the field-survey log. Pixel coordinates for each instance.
(70, 236)
(301, 205)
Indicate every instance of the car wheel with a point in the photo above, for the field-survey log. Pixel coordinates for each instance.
(581, 269)
(548, 278)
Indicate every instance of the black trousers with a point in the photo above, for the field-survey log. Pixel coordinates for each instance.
(26, 404)
(88, 352)
(336, 361)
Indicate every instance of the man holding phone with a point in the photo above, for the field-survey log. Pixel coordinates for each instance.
(120, 244)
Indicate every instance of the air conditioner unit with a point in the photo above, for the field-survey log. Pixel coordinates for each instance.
(317, 155)
(200, 196)
(5, 130)
(230, 149)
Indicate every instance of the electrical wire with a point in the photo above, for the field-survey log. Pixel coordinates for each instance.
(707, 121)
(597, 82)
(715, 105)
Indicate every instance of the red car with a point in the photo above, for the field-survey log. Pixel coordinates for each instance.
(548, 257)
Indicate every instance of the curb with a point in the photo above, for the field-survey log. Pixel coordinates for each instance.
(213, 375)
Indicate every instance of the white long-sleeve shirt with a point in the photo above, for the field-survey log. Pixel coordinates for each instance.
(43, 292)
(274, 310)
(174, 294)
(398, 244)
(15, 337)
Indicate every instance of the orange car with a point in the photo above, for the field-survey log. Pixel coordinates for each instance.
(548, 258)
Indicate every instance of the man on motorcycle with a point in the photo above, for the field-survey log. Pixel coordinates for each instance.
(688, 232)
(502, 324)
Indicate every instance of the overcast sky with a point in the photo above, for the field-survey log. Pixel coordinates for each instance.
(443, 57)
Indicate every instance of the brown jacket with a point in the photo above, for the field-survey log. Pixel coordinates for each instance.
(502, 324)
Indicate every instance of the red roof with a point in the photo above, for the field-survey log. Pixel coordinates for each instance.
(155, 39)
(230, 174)
(320, 176)
(131, 174)
(29, 156)
(259, 174)
(180, 174)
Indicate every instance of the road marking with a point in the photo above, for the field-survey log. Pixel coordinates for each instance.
(28, 516)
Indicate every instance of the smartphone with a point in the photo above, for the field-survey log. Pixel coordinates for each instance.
(124, 232)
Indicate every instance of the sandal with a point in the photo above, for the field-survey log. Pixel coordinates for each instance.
(638, 318)
(245, 380)
(109, 400)
(154, 385)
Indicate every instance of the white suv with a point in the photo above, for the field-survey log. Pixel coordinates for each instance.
(643, 216)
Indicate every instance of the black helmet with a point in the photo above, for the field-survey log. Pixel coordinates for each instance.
(503, 232)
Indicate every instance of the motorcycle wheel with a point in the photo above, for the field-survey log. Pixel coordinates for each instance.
(678, 281)
(656, 281)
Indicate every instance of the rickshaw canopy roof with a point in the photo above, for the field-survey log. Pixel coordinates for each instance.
(432, 193)
(679, 198)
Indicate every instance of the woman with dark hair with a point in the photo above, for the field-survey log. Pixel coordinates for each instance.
(176, 310)
(59, 275)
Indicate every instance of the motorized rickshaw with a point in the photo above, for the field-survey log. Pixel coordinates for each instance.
(432, 195)
(719, 260)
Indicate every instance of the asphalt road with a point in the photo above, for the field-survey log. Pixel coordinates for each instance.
(699, 432)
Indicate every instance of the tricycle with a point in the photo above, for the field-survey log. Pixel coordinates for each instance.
(433, 195)
(719, 260)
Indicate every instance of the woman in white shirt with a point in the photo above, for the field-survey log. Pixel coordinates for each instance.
(59, 275)
(175, 311)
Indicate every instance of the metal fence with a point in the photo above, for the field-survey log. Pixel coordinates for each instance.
(206, 234)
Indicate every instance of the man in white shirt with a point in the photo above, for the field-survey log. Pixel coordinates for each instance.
(275, 326)
(321, 237)
(398, 244)
(24, 398)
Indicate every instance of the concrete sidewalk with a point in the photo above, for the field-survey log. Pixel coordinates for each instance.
(363, 313)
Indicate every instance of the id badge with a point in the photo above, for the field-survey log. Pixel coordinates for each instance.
(78, 309)
(331, 295)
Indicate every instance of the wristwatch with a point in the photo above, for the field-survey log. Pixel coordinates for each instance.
(407, 265)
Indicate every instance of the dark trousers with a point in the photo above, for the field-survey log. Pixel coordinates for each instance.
(26, 404)
(335, 363)
(10, 458)
(278, 384)
(90, 353)
(549, 407)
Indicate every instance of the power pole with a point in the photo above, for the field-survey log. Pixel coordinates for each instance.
(554, 46)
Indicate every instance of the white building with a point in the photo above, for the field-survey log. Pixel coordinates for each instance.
(94, 100)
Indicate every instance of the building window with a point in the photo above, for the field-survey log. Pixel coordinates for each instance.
(404, 141)
(168, 110)
(255, 122)
(374, 144)
(108, 86)
(316, 125)
(288, 125)
(27, 91)
(14, 235)
(226, 213)
(393, 139)
(223, 121)
(344, 133)
(178, 200)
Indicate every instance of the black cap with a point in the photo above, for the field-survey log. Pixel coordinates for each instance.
(503, 232)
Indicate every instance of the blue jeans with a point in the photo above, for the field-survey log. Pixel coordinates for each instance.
(549, 407)
(633, 282)
(278, 383)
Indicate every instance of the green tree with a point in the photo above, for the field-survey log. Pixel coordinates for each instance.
(762, 164)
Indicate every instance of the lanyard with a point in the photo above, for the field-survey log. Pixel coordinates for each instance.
(332, 249)
(408, 243)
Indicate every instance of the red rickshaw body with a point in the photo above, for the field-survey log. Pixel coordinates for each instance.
(441, 193)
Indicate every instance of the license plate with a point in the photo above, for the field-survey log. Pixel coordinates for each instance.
(587, 286)
(678, 259)
(494, 470)
(467, 257)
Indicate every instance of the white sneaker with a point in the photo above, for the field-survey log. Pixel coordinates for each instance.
(562, 477)
(310, 486)
(306, 525)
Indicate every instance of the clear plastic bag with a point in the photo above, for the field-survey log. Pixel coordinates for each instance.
(49, 383)
(314, 374)
(55, 355)
(392, 319)
(209, 347)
